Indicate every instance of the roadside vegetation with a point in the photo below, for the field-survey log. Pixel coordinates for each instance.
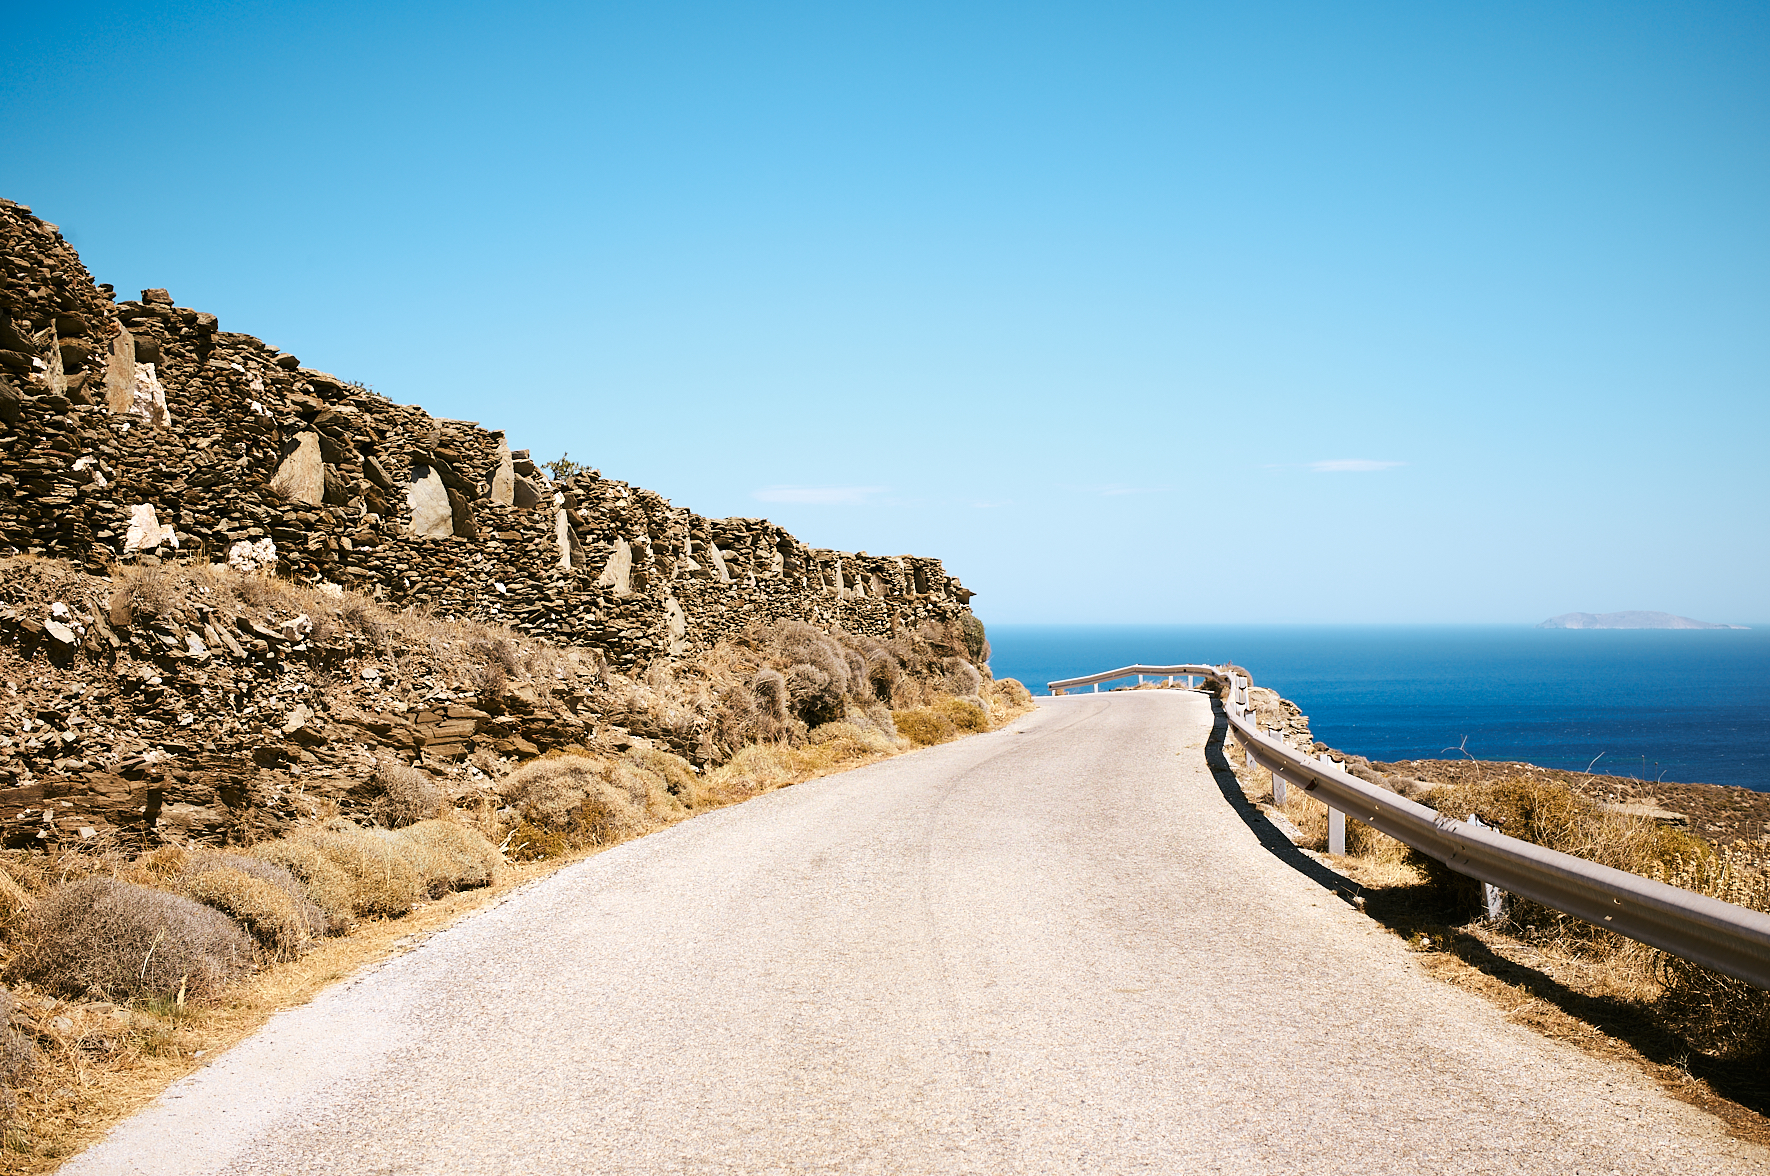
(127, 963)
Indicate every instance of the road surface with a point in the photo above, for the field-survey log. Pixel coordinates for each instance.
(1055, 948)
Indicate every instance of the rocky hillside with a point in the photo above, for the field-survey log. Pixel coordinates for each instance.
(232, 585)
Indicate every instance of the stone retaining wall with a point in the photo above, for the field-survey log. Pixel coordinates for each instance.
(110, 407)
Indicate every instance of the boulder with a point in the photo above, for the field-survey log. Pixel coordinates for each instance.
(302, 475)
(433, 516)
(119, 376)
(618, 572)
(504, 476)
(145, 532)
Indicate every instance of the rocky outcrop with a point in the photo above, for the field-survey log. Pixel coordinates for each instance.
(110, 407)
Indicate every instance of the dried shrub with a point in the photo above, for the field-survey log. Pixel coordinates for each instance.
(326, 885)
(845, 741)
(587, 799)
(883, 672)
(1007, 694)
(447, 855)
(879, 715)
(382, 883)
(149, 591)
(313, 919)
(530, 843)
(813, 696)
(267, 913)
(407, 796)
(15, 902)
(677, 775)
(1714, 1013)
(965, 714)
(925, 727)
(962, 678)
(114, 940)
(770, 691)
(1549, 814)
(366, 619)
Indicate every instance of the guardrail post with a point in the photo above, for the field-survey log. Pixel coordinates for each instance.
(1336, 818)
(1097, 688)
(1278, 787)
(1492, 897)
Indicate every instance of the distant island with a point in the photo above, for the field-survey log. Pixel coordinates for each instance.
(1629, 620)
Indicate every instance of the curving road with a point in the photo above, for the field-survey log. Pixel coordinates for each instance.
(1057, 948)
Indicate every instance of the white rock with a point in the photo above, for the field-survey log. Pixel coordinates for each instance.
(148, 397)
(618, 572)
(145, 532)
(251, 557)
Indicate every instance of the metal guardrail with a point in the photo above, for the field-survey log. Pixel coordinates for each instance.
(1719, 935)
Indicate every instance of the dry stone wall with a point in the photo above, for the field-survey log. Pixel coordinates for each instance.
(138, 427)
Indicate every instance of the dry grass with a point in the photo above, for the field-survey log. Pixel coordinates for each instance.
(311, 921)
(383, 884)
(268, 914)
(326, 884)
(447, 855)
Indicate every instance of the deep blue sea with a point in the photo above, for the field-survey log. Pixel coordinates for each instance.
(1689, 705)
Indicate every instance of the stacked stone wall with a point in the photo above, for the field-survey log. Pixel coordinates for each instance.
(108, 407)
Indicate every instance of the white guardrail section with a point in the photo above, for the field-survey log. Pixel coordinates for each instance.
(1719, 935)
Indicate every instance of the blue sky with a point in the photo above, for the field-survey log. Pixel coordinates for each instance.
(1145, 313)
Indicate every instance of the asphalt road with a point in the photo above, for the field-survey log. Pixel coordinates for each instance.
(1057, 948)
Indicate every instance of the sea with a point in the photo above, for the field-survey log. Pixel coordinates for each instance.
(1689, 705)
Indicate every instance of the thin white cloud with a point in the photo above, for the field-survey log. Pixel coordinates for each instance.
(1115, 489)
(1352, 465)
(818, 495)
